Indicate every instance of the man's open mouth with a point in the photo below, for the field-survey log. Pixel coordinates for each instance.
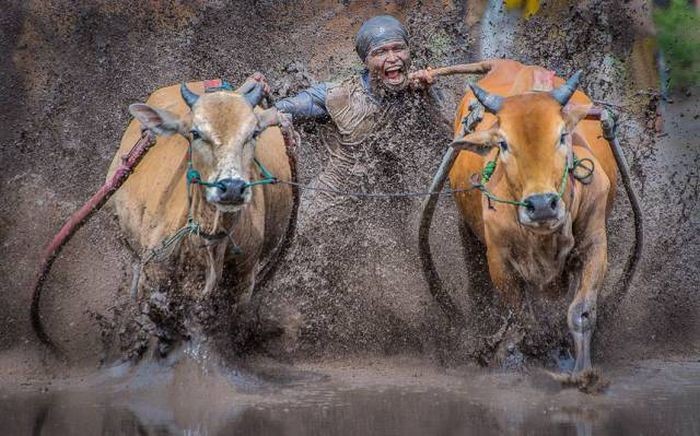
(394, 75)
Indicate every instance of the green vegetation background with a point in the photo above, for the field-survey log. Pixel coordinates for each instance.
(678, 28)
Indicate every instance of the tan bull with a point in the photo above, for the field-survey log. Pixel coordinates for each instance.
(539, 215)
(240, 222)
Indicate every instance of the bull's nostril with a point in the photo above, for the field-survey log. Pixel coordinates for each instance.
(541, 207)
(529, 207)
(229, 191)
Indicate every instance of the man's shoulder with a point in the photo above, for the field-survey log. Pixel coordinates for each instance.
(341, 94)
(341, 88)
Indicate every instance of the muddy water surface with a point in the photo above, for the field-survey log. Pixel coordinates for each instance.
(184, 396)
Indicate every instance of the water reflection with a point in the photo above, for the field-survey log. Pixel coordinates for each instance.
(184, 399)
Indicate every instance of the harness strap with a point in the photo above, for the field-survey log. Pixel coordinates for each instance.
(217, 85)
(479, 180)
(268, 178)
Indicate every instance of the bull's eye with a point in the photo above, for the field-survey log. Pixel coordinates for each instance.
(562, 139)
(504, 145)
(195, 134)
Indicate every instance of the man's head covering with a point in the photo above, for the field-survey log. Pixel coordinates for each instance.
(378, 31)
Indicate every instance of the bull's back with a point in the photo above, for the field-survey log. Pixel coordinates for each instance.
(506, 78)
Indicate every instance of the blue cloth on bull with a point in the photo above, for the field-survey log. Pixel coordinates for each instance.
(378, 31)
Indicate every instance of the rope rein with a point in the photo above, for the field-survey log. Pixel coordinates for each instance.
(163, 251)
(360, 194)
(479, 180)
(193, 177)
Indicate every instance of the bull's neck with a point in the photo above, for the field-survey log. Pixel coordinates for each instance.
(540, 258)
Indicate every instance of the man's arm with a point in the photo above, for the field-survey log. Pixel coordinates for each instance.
(309, 103)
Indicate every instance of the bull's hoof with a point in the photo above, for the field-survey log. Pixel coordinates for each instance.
(163, 348)
(511, 358)
(589, 381)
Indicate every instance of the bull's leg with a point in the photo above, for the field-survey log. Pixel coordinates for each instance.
(506, 342)
(504, 279)
(581, 315)
(244, 288)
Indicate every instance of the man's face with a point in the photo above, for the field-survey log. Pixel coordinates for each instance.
(388, 65)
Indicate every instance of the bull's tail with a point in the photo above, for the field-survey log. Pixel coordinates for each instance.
(613, 301)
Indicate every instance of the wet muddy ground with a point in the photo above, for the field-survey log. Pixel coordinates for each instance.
(190, 396)
(72, 69)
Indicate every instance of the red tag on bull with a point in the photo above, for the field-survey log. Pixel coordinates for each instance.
(213, 85)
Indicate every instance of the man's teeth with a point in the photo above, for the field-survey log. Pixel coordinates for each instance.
(392, 69)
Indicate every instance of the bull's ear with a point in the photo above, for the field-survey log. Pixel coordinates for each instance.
(477, 142)
(159, 121)
(573, 114)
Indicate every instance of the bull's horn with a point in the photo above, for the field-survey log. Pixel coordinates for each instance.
(187, 95)
(492, 103)
(565, 91)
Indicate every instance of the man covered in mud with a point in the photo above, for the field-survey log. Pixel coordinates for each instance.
(362, 105)
(353, 277)
(354, 104)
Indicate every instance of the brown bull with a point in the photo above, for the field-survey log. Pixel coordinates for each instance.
(240, 222)
(539, 215)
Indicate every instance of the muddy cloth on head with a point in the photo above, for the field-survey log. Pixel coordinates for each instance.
(353, 278)
(378, 31)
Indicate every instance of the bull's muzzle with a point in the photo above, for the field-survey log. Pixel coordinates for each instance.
(540, 209)
(228, 192)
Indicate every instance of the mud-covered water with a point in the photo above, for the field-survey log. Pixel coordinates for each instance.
(402, 398)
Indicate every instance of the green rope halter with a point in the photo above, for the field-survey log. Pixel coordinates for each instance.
(490, 168)
(193, 227)
(193, 176)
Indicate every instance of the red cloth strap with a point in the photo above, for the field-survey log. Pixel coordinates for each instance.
(212, 85)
